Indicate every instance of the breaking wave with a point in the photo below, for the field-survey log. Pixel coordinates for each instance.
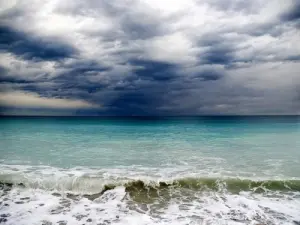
(92, 185)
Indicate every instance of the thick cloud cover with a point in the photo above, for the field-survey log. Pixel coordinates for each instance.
(158, 57)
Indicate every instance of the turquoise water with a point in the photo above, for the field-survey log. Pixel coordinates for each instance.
(81, 155)
(260, 147)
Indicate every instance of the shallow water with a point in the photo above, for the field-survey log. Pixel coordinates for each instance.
(201, 170)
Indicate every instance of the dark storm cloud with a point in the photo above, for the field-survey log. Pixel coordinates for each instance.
(71, 83)
(9, 79)
(33, 48)
(293, 14)
(76, 82)
(154, 70)
(220, 50)
(144, 90)
(139, 102)
(218, 55)
(153, 85)
(82, 67)
(141, 92)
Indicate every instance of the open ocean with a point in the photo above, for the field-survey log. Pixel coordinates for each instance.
(142, 171)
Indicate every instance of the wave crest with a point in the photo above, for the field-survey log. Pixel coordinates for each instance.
(93, 185)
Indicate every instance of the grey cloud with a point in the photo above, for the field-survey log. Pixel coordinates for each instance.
(127, 81)
(235, 5)
(33, 48)
(293, 14)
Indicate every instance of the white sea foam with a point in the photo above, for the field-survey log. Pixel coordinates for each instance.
(32, 207)
(44, 200)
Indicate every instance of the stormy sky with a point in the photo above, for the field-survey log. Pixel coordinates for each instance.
(149, 57)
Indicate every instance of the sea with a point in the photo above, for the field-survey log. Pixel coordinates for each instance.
(217, 170)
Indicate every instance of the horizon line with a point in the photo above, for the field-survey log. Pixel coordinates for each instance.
(158, 116)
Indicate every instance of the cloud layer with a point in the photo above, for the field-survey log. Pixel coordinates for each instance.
(150, 57)
(29, 100)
